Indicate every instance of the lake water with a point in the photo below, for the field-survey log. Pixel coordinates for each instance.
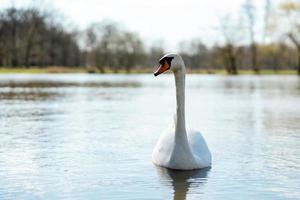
(91, 136)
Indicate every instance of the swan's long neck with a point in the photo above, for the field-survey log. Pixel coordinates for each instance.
(180, 97)
(181, 154)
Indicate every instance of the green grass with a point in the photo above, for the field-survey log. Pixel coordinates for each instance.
(35, 70)
(270, 72)
(22, 71)
(246, 72)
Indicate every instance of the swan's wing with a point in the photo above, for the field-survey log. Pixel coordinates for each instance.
(199, 148)
(164, 147)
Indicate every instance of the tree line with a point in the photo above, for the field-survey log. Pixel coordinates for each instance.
(32, 37)
(29, 37)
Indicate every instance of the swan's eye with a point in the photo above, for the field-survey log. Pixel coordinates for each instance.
(162, 61)
(165, 64)
(169, 60)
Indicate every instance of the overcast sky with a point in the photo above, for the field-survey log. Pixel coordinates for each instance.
(168, 20)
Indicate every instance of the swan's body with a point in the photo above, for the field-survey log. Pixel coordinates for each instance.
(177, 148)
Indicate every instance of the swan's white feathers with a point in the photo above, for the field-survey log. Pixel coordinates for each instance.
(164, 154)
(177, 148)
(199, 148)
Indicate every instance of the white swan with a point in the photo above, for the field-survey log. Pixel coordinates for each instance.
(177, 148)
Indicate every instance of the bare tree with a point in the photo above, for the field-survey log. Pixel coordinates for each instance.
(195, 53)
(13, 18)
(133, 50)
(291, 12)
(155, 51)
(28, 37)
(250, 15)
(33, 21)
(231, 33)
(267, 13)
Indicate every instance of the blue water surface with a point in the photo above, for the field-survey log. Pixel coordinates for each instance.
(91, 136)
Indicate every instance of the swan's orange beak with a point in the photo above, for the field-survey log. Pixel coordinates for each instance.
(162, 68)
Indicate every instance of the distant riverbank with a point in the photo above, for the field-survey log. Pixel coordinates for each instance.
(53, 70)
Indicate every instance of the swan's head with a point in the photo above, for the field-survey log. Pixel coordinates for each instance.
(170, 61)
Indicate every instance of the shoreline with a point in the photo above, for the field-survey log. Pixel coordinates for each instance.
(82, 70)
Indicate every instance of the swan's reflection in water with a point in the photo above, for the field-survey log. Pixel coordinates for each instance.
(181, 181)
